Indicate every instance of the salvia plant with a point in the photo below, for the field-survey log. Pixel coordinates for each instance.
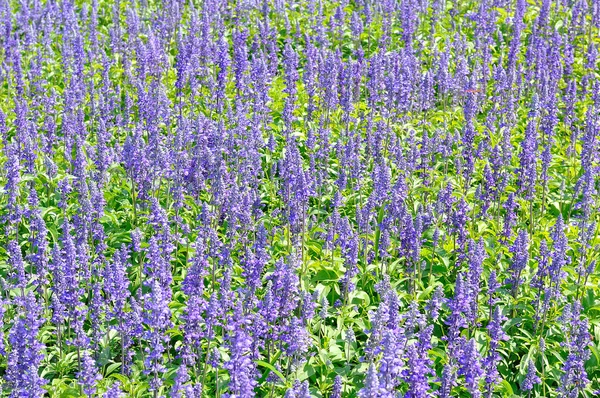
(299, 198)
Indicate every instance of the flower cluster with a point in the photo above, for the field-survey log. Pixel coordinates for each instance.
(299, 198)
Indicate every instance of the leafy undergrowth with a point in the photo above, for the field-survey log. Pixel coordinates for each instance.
(362, 198)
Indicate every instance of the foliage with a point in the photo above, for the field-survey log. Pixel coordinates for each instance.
(299, 198)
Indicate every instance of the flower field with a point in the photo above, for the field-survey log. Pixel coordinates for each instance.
(299, 198)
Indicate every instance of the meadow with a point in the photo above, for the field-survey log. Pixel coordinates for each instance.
(299, 198)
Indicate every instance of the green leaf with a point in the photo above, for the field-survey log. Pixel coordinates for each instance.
(111, 368)
(272, 369)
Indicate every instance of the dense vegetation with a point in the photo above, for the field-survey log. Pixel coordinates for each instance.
(311, 198)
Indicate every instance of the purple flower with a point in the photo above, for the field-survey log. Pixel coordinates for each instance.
(391, 362)
(531, 379)
(25, 357)
(528, 156)
(2, 324)
(241, 368)
(448, 380)
(88, 376)
(477, 255)
(435, 303)
(372, 388)
(510, 217)
(459, 219)
(490, 362)
(13, 178)
(181, 377)
(116, 284)
(336, 391)
(298, 390)
(560, 247)
(114, 391)
(470, 366)
(459, 306)
(419, 366)
(157, 318)
(520, 260)
(17, 265)
(577, 339)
